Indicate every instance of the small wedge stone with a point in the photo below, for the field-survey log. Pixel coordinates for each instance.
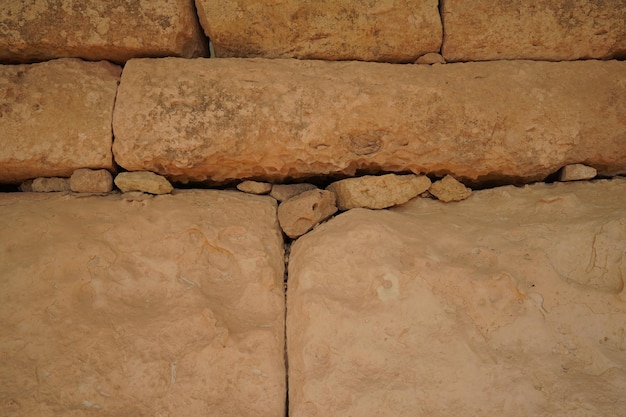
(282, 192)
(254, 187)
(145, 181)
(449, 189)
(49, 185)
(575, 172)
(301, 213)
(86, 180)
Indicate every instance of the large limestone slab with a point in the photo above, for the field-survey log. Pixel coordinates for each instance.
(511, 303)
(55, 117)
(173, 305)
(389, 31)
(551, 30)
(113, 30)
(224, 119)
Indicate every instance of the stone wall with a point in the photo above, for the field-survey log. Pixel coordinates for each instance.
(347, 208)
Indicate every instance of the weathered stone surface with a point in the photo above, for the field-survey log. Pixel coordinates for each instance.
(86, 180)
(269, 120)
(285, 191)
(338, 30)
(576, 172)
(55, 117)
(550, 30)
(113, 30)
(378, 192)
(301, 213)
(48, 185)
(169, 306)
(449, 189)
(503, 304)
(145, 181)
(431, 58)
(254, 187)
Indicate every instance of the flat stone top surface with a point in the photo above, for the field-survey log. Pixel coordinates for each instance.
(172, 305)
(511, 303)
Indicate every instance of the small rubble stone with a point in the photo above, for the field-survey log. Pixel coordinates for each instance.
(26, 186)
(576, 172)
(145, 181)
(449, 189)
(49, 185)
(87, 180)
(254, 187)
(378, 192)
(431, 58)
(299, 214)
(282, 192)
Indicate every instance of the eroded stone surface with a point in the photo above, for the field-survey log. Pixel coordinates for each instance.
(301, 213)
(91, 181)
(505, 303)
(169, 306)
(576, 172)
(49, 185)
(449, 189)
(254, 187)
(113, 30)
(339, 30)
(270, 120)
(477, 30)
(144, 181)
(55, 117)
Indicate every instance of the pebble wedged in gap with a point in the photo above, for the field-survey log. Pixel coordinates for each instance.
(449, 189)
(145, 181)
(301, 213)
(575, 172)
(91, 181)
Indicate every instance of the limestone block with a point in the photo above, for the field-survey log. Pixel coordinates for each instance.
(113, 30)
(273, 120)
(55, 117)
(502, 304)
(145, 181)
(285, 191)
(254, 187)
(576, 172)
(301, 213)
(551, 30)
(449, 189)
(169, 306)
(391, 31)
(49, 185)
(91, 181)
(378, 192)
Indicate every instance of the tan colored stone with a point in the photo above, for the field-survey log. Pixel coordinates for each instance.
(478, 30)
(112, 30)
(144, 181)
(301, 213)
(576, 172)
(26, 186)
(338, 30)
(55, 117)
(49, 185)
(277, 120)
(449, 189)
(254, 187)
(502, 304)
(431, 58)
(91, 181)
(168, 306)
(378, 192)
(283, 192)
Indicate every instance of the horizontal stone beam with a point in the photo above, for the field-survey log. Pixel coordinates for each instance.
(504, 121)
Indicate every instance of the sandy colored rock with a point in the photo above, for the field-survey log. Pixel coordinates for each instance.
(338, 30)
(55, 117)
(550, 30)
(574, 172)
(273, 120)
(283, 192)
(430, 58)
(378, 192)
(449, 189)
(144, 181)
(113, 30)
(254, 187)
(48, 185)
(301, 213)
(168, 306)
(503, 304)
(91, 181)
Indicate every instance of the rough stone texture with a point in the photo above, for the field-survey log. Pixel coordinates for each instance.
(576, 172)
(509, 303)
(113, 30)
(48, 185)
(283, 192)
(449, 189)
(91, 181)
(168, 306)
(391, 31)
(430, 58)
(223, 119)
(254, 187)
(378, 192)
(301, 213)
(55, 117)
(145, 181)
(551, 30)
